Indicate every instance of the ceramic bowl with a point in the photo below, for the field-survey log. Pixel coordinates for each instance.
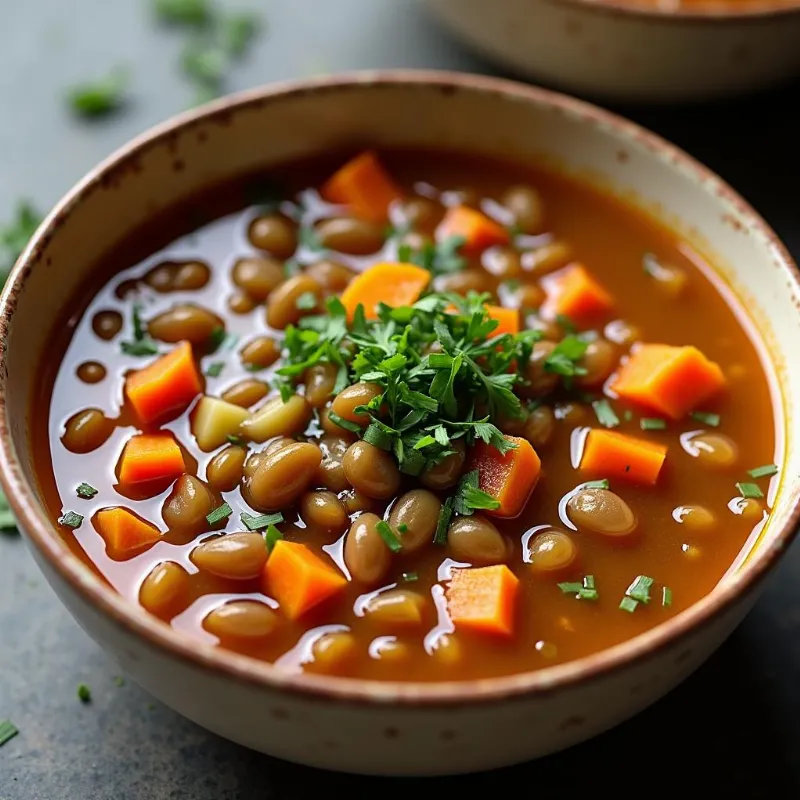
(634, 50)
(355, 725)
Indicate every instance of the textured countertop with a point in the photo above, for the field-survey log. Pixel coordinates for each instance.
(733, 725)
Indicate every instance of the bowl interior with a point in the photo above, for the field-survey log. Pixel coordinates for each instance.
(427, 110)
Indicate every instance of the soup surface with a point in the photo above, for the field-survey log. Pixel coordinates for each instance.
(411, 416)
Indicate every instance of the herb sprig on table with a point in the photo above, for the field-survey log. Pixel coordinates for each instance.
(443, 371)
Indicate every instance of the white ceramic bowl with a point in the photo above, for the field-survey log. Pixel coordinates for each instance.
(634, 50)
(357, 725)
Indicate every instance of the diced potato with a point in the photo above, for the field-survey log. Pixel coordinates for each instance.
(396, 607)
(276, 418)
(214, 421)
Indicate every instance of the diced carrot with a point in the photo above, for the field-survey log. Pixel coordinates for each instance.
(123, 531)
(574, 293)
(298, 579)
(617, 455)
(166, 386)
(477, 230)
(672, 380)
(150, 457)
(507, 317)
(363, 185)
(393, 284)
(483, 599)
(509, 478)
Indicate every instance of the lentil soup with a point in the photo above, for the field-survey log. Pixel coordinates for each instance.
(410, 416)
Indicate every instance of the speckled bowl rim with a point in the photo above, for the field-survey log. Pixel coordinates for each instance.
(707, 12)
(42, 533)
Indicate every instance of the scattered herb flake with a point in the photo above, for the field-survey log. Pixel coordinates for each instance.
(583, 590)
(639, 590)
(99, 98)
(765, 471)
(566, 323)
(353, 427)
(84, 693)
(565, 357)
(232, 438)
(706, 417)
(605, 413)
(628, 604)
(238, 31)
(306, 301)
(652, 424)
(402, 528)
(183, 12)
(144, 348)
(272, 537)
(598, 484)
(71, 520)
(666, 597)
(750, 490)
(205, 64)
(8, 730)
(471, 497)
(86, 491)
(410, 577)
(390, 538)
(260, 522)
(215, 369)
(445, 515)
(7, 521)
(219, 514)
(15, 235)
(627, 415)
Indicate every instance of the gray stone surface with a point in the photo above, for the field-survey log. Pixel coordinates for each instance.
(732, 725)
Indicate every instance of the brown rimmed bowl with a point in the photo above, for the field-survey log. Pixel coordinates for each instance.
(392, 727)
(634, 50)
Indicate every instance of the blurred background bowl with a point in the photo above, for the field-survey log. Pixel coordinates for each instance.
(634, 50)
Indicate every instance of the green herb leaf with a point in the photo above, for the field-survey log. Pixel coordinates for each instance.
(306, 301)
(706, 417)
(232, 438)
(599, 484)
(15, 235)
(376, 435)
(440, 258)
(205, 64)
(750, 490)
(627, 415)
(652, 424)
(566, 323)
(215, 369)
(7, 521)
(71, 520)
(565, 357)
(389, 537)
(219, 514)
(410, 577)
(101, 97)
(84, 693)
(7, 731)
(639, 590)
(86, 491)
(183, 12)
(144, 348)
(238, 31)
(353, 427)
(765, 471)
(666, 597)
(605, 414)
(585, 590)
(272, 537)
(260, 522)
(471, 498)
(628, 604)
(220, 338)
(445, 515)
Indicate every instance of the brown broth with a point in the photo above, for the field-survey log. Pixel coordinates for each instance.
(551, 627)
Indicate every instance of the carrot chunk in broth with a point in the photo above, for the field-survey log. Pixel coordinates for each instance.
(150, 457)
(393, 284)
(483, 599)
(617, 455)
(574, 293)
(476, 229)
(124, 532)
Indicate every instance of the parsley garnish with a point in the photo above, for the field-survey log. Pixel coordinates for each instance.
(306, 301)
(7, 521)
(565, 357)
(219, 514)
(584, 590)
(219, 338)
(410, 577)
(101, 97)
(605, 414)
(750, 490)
(353, 427)
(706, 417)
(214, 370)
(86, 491)
(8, 730)
(15, 236)
(439, 258)
(183, 12)
(390, 538)
(253, 523)
(566, 323)
(445, 515)
(652, 424)
(639, 590)
(628, 604)
(84, 693)
(666, 597)
(71, 520)
(232, 438)
(142, 344)
(765, 471)
(599, 484)
(237, 32)
(271, 537)
(471, 498)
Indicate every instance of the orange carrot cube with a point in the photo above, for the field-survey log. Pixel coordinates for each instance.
(477, 230)
(393, 284)
(507, 317)
(150, 457)
(672, 380)
(616, 455)
(124, 532)
(298, 579)
(574, 293)
(483, 599)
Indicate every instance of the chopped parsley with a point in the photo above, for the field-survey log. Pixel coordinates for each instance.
(306, 301)
(353, 427)
(639, 590)
(628, 604)
(471, 498)
(86, 491)
(750, 490)
(8, 730)
(220, 339)
(598, 484)
(565, 357)
(652, 424)
(7, 521)
(183, 12)
(206, 65)
(706, 417)
(272, 537)
(15, 235)
(666, 597)
(84, 693)
(605, 414)
(232, 438)
(237, 32)
(566, 323)
(390, 538)
(219, 514)
(583, 590)
(215, 369)
(142, 344)
(445, 515)
(440, 258)
(765, 471)
(308, 238)
(260, 522)
(410, 577)
(101, 97)
(71, 520)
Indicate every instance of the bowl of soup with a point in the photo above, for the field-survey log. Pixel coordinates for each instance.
(358, 416)
(650, 51)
